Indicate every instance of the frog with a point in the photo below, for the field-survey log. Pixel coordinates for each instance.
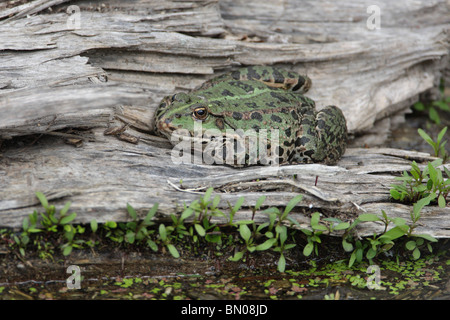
(256, 99)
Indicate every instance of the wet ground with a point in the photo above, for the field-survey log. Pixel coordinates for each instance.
(120, 274)
(129, 274)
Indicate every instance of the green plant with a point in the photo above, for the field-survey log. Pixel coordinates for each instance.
(112, 232)
(165, 238)
(137, 230)
(202, 211)
(275, 234)
(438, 145)
(422, 184)
(385, 241)
(69, 234)
(313, 235)
(432, 108)
(51, 221)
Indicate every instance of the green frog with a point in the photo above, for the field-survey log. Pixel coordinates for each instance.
(251, 101)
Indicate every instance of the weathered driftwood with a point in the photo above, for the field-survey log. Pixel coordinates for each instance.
(113, 68)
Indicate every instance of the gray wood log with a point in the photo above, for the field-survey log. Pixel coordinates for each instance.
(59, 82)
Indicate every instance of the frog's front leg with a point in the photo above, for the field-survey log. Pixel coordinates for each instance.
(331, 135)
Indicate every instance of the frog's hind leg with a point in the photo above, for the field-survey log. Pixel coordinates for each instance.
(331, 129)
(270, 76)
(275, 77)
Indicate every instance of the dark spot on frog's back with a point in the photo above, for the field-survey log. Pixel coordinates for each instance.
(252, 105)
(252, 74)
(236, 75)
(227, 93)
(242, 85)
(256, 116)
(301, 141)
(279, 96)
(237, 115)
(275, 118)
(288, 132)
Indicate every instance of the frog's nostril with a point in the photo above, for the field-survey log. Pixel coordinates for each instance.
(177, 115)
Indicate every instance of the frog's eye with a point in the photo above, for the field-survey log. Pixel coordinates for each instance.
(200, 113)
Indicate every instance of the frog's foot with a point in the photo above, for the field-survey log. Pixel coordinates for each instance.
(331, 129)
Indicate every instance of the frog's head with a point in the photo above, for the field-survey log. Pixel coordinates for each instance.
(186, 111)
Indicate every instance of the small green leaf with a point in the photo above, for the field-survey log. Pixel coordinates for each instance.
(393, 233)
(151, 213)
(238, 204)
(237, 256)
(352, 259)
(216, 201)
(433, 173)
(94, 225)
(426, 237)
(348, 247)
(241, 222)
(200, 230)
(441, 105)
(67, 250)
(282, 232)
(394, 194)
(441, 201)
(441, 134)
(65, 208)
(434, 115)
(130, 237)
(152, 245)
(266, 244)
(291, 205)
(369, 217)
(42, 199)
(342, 226)
(416, 253)
(111, 224)
(426, 137)
(410, 245)
(307, 250)
(315, 218)
(245, 232)
(419, 106)
(306, 231)
(207, 194)
(371, 253)
(187, 213)
(131, 212)
(162, 232)
(173, 251)
(418, 206)
(281, 263)
(259, 202)
(289, 246)
(25, 224)
(69, 218)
